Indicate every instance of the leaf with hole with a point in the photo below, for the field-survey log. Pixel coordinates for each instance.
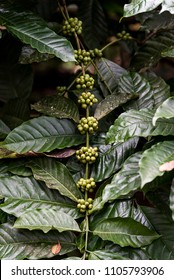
(46, 220)
(125, 232)
(56, 176)
(42, 134)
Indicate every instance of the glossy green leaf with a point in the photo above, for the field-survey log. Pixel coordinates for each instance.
(46, 220)
(15, 81)
(140, 6)
(125, 232)
(32, 30)
(17, 167)
(138, 123)
(108, 75)
(125, 181)
(162, 248)
(171, 199)
(151, 89)
(56, 176)
(23, 194)
(23, 244)
(94, 23)
(120, 208)
(42, 134)
(111, 102)
(134, 83)
(105, 255)
(157, 22)
(168, 5)
(57, 106)
(111, 158)
(150, 53)
(166, 110)
(128, 253)
(4, 130)
(153, 158)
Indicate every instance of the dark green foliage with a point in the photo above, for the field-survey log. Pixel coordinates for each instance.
(86, 151)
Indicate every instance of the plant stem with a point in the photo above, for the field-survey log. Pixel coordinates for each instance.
(86, 235)
(110, 43)
(61, 9)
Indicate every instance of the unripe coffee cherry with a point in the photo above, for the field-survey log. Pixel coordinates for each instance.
(124, 35)
(72, 25)
(85, 82)
(84, 205)
(87, 155)
(87, 99)
(86, 184)
(89, 124)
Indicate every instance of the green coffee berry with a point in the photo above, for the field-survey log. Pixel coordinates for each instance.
(72, 25)
(84, 205)
(82, 56)
(61, 90)
(96, 53)
(87, 99)
(124, 35)
(89, 124)
(85, 82)
(87, 155)
(86, 184)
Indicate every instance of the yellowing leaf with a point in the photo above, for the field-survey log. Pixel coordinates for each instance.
(56, 248)
(167, 166)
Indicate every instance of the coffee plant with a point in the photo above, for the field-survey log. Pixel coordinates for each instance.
(87, 129)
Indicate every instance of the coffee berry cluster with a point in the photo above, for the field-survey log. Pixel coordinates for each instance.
(72, 25)
(96, 53)
(87, 155)
(85, 82)
(124, 35)
(84, 57)
(86, 184)
(89, 124)
(61, 89)
(87, 99)
(85, 205)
